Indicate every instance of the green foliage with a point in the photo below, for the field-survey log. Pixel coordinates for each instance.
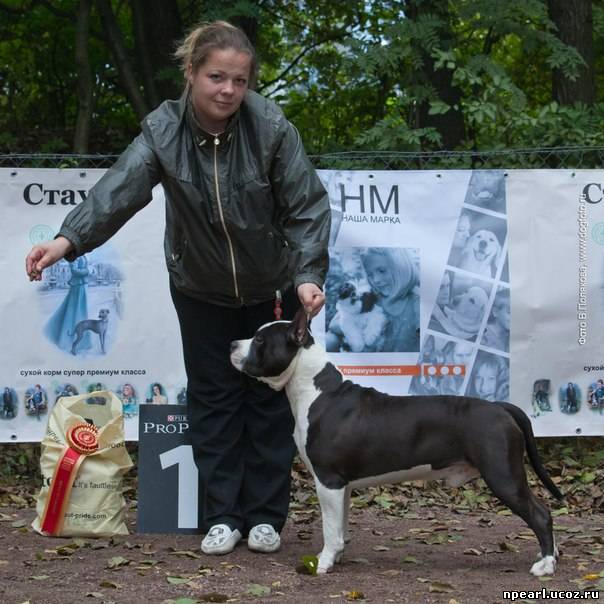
(359, 75)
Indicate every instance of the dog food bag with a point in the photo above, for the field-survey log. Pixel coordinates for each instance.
(83, 461)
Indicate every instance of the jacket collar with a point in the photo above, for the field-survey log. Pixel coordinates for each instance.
(206, 139)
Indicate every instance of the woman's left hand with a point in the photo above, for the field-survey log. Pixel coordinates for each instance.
(311, 297)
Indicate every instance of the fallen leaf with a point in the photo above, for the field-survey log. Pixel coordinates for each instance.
(177, 580)
(255, 589)
(117, 562)
(19, 523)
(184, 553)
(440, 587)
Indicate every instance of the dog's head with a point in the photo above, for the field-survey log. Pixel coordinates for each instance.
(484, 247)
(270, 355)
(469, 308)
(103, 313)
(351, 301)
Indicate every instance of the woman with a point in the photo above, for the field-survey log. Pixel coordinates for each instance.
(247, 228)
(156, 395)
(73, 309)
(394, 277)
(129, 400)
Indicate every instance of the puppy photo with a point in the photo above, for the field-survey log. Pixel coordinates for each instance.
(98, 326)
(481, 253)
(350, 437)
(358, 320)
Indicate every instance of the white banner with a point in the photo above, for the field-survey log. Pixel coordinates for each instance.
(456, 282)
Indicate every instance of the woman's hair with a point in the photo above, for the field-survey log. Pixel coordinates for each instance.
(195, 49)
(404, 270)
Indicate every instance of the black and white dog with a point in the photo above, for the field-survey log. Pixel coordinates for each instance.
(350, 436)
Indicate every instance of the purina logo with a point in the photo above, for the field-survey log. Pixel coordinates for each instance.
(370, 203)
(177, 418)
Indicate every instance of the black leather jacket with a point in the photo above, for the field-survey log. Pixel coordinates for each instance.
(246, 213)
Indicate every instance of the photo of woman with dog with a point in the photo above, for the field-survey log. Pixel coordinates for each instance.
(247, 229)
(72, 310)
(376, 308)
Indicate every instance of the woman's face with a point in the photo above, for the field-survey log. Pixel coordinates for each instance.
(218, 87)
(127, 390)
(156, 389)
(379, 276)
(485, 381)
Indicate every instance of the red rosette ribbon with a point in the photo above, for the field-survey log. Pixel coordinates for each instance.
(82, 440)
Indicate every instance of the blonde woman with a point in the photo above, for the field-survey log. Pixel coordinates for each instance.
(247, 228)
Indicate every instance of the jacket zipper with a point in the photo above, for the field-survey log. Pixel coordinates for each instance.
(226, 232)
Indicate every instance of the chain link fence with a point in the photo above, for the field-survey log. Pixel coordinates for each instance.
(543, 157)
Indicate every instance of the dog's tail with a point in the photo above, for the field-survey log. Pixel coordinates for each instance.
(524, 423)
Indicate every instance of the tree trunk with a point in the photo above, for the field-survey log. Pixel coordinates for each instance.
(157, 29)
(574, 20)
(450, 125)
(84, 88)
(122, 61)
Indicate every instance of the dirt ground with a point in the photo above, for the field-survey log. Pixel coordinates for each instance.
(418, 554)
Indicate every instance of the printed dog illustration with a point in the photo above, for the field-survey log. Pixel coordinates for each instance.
(481, 253)
(350, 436)
(98, 326)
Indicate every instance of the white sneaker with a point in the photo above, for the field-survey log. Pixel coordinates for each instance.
(263, 538)
(220, 539)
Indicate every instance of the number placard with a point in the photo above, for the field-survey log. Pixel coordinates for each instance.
(168, 481)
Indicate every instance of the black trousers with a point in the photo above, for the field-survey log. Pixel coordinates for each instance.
(240, 429)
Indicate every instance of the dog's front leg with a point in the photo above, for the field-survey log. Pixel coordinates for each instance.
(332, 503)
(346, 515)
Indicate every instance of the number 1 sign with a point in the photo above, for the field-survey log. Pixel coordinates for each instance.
(168, 483)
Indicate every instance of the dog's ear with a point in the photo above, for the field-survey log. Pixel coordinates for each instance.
(297, 332)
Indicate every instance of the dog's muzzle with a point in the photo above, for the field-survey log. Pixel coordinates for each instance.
(238, 355)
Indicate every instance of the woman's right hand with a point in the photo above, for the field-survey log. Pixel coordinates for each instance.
(44, 255)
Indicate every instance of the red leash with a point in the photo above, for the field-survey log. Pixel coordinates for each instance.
(277, 310)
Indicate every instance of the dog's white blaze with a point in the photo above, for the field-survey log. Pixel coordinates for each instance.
(239, 354)
(455, 475)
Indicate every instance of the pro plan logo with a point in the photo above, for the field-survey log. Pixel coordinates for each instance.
(370, 203)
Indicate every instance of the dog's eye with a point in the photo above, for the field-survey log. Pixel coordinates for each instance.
(258, 340)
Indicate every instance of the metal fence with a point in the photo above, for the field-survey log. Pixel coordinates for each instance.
(543, 157)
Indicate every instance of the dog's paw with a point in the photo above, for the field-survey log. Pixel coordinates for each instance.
(545, 566)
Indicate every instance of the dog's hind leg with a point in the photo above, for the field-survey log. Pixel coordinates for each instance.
(332, 502)
(79, 336)
(509, 483)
